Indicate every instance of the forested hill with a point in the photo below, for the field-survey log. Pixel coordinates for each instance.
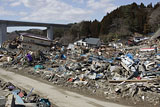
(121, 22)
(132, 18)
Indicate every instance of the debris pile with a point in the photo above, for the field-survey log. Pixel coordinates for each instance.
(126, 72)
(11, 96)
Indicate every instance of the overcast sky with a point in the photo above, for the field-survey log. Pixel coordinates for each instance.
(60, 11)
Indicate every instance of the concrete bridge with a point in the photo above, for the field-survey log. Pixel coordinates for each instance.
(8, 23)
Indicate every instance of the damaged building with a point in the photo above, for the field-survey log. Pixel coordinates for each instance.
(32, 42)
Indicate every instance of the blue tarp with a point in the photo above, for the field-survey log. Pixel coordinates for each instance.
(129, 55)
(63, 56)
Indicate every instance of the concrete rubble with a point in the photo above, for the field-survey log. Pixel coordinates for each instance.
(114, 73)
(13, 96)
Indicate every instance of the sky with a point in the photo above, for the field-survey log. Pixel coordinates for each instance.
(60, 11)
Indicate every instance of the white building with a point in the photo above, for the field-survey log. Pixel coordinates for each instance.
(80, 43)
(89, 42)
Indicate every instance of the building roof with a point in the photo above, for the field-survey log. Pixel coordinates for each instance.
(93, 41)
(34, 36)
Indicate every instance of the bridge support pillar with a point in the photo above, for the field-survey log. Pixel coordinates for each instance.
(50, 32)
(3, 32)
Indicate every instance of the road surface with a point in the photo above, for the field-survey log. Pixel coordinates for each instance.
(59, 97)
